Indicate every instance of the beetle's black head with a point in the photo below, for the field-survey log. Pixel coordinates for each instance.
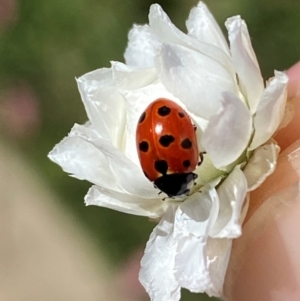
(177, 184)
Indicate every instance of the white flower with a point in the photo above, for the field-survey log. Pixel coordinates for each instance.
(222, 90)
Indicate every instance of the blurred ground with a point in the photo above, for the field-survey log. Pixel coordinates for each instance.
(44, 254)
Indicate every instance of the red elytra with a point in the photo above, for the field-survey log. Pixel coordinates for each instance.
(167, 147)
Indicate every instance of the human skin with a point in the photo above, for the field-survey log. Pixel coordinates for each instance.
(265, 260)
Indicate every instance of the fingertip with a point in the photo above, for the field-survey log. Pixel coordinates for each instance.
(290, 133)
(265, 260)
(294, 80)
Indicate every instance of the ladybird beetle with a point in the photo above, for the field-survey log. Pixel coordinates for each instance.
(167, 147)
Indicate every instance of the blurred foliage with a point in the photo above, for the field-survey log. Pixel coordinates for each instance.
(52, 42)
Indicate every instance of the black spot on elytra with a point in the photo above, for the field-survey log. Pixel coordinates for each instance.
(144, 146)
(163, 111)
(186, 143)
(161, 166)
(181, 114)
(166, 140)
(186, 163)
(142, 118)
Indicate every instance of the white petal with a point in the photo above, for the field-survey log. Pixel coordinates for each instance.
(142, 46)
(197, 80)
(131, 78)
(232, 193)
(196, 215)
(157, 265)
(270, 109)
(128, 176)
(193, 220)
(202, 26)
(98, 196)
(104, 105)
(169, 33)
(191, 268)
(87, 132)
(89, 157)
(261, 164)
(83, 160)
(288, 115)
(245, 61)
(228, 132)
(218, 254)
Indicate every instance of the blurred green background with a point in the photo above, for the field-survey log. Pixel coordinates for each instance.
(44, 45)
